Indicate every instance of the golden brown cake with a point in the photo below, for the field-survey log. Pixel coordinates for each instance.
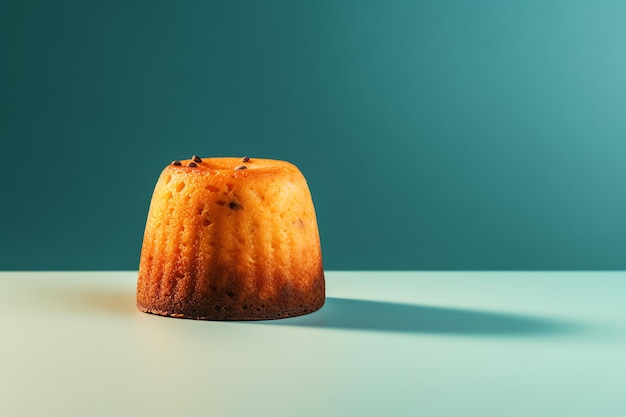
(231, 239)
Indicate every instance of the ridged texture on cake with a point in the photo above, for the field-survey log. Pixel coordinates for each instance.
(231, 244)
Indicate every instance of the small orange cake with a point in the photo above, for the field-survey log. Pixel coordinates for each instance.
(231, 239)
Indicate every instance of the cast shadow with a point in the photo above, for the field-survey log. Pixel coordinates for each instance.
(381, 316)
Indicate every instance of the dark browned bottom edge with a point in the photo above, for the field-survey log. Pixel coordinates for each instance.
(272, 314)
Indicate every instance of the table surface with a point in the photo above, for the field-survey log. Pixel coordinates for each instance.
(386, 343)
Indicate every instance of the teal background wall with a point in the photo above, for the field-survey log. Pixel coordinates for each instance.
(434, 134)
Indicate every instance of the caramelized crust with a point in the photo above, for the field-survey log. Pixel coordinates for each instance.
(229, 243)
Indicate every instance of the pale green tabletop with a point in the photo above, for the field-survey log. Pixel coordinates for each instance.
(385, 344)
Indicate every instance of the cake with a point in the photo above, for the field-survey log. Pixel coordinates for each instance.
(231, 239)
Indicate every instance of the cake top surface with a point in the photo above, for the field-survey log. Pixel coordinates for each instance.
(201, 164)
